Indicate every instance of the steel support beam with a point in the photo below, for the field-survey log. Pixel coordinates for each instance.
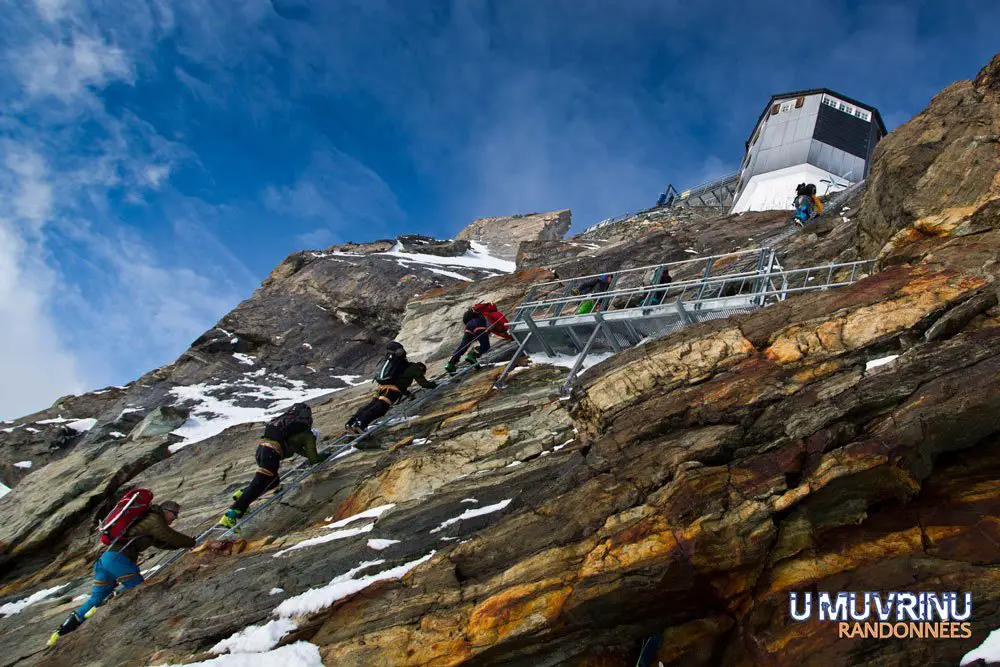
(685, 316)
(579, 360)
(574, 338)
(533, 329)
(609, 333)
(501, 381)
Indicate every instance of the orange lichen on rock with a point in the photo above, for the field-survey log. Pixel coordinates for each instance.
(863, 326)
(516, 610)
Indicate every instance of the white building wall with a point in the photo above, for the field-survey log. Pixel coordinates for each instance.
(783, 153)
(775, 190)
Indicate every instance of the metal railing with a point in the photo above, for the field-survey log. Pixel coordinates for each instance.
(549, 298)
(709, 186)
(624, 317)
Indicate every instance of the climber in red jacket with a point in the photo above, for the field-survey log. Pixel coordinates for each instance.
(480, 321)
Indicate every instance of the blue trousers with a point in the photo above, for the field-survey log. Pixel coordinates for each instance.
(110, 570)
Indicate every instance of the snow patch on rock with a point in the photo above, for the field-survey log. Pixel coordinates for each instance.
(378, 545)
(343, 586)
(373, 513)
(299, 654)
(256, 638)
(335, 535)
(17, 607)
(215, 406)
(471, 513)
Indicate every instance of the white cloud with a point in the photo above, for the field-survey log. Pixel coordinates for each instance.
(156, 174)
(30, 192)
(150, 306)
(30, 348)
(51, 10)
(67, 70)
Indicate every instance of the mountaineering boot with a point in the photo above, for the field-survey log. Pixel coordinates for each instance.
(472, 357)
(237, 495)
(230, 518)
(68, 626)
(450, 368)
(355, 427)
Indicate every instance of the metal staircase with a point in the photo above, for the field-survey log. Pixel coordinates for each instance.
(636, 307)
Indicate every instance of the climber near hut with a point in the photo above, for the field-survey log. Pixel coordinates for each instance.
(807, 205)
(134, 525)
(480, 321)
(394, 375)
(286, 435)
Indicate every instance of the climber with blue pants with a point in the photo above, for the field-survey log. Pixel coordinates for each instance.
(117, 568)
(806, 204)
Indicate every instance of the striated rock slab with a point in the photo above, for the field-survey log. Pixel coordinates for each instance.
(504, 235)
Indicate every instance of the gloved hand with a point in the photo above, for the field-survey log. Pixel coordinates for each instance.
(315, 432)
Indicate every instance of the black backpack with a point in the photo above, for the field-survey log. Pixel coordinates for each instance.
(296, 419)
(392, 365)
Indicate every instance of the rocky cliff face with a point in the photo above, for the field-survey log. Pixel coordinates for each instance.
(840, 440)
(504, 235)
(937, 178)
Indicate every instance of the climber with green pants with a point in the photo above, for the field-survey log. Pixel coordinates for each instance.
(394, 375)
(480, 321)
(601, 283)
(285, 436)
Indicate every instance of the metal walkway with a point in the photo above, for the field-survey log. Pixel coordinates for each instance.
(719, 192)
(554, 319)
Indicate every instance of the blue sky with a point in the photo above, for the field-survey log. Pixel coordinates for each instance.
(159, 157)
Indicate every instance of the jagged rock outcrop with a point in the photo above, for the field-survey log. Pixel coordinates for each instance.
(937, 176)
(504, 235)
(323, 314)
(846, 439)
(46, 436)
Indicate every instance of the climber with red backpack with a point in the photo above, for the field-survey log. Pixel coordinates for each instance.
(394, 375)
(480, 321)
(134, 525)
(286, 435)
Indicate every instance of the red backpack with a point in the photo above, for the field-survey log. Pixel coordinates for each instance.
(483, 308)
(133, 506)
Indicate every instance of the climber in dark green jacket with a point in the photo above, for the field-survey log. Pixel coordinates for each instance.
(390, 391)
(285, 436)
